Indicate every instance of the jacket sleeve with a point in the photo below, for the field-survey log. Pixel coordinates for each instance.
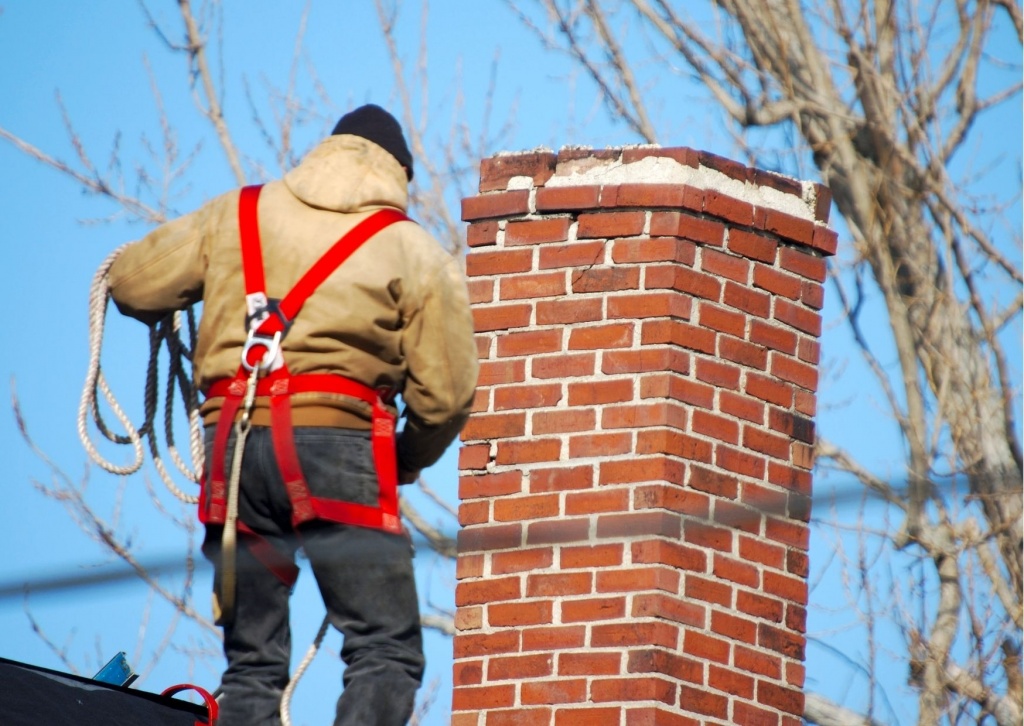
(162, 272)
(441, 369)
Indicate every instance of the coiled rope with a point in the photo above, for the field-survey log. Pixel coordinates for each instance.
(166, 332)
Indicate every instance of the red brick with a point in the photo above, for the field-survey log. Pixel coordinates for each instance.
(691, 337)
(527, 396)
(718, 427)
(558, 531)
(654, 249)
(483, 697)
(468, 673)
(753, 245)
(720, 375)
(699, 588)
(788, 369)
(496, 426)
(657, 716)
(600, 337)
(605, 279)
(559, 584)
(688, 226)
(541, 284)
(789, 588)
(823, 202)
(490, 485)
(519, 716)
(723, 265)
(538, 558)
(610, 224)
(529, 342)
(730, 168)
(763, 442)
(476, 512)
(796, 615)
(770, 390)
(774, 337)
(556, 199)
(807, 321)
(731, 682)
(750, 715)
(739, 462)
(738, 517)
(674, 554)
(618, 635)
(636, 579)
(781, 641)
(794, 534)
(802, 263)
(655, 468)
(481, 234)
(712, 482)
(563, 366)
(776, 282)
(638, 524)
(706, 646)
(503, 204)
(574, 255)
(707, 535)
(741, 406)
(496, 171)
(634, 416)
(561, 478)
(467, 566)
(485, 644)
(645, 360)
(722, 320)
(753, 661)
(564, 421)
(739, 351)
(683, 155)
(749, 301)
(516, 615)
(754, 549)
(734, 210)
(569, 310)
(589, 445)
(809, 351)
(789, 700)
(683, 279)
(825, 240)
(633, 689)
(650, 195)
(492, 537)
(498, 262)
(593, 609)
(528, 451)
(732, 627)
(615, 390)
(474, 456)
(515, 509)
(671, 497)
(480, 291)
(666, 607)
(554, 638)
(790, 227)
(589, 716)
(602, 555)
(649, 305)
(537, 231)
(605, 500)
(675, 443)
(805, 402)
(486, 591)
(497, 372)
(590, 664)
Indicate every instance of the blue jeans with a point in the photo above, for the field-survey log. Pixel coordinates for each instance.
(365, 577)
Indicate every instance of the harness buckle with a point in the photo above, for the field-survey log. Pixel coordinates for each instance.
(259, 309)
(271, 358)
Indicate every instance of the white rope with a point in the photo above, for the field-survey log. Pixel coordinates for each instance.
(167, 331)
(286, 697)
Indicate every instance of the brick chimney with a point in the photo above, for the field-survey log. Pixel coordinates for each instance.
(636, 477)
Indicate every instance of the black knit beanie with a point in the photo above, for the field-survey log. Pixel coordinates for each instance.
(377, 125)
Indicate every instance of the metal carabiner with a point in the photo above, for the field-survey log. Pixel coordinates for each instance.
(272, 344)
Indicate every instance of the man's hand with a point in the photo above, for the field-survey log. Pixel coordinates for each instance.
(407, 477)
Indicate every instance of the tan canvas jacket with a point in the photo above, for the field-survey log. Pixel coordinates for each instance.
(396, 313)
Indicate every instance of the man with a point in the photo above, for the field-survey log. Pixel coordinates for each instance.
(319, 461)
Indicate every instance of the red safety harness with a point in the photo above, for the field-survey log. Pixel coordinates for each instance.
(268, 321)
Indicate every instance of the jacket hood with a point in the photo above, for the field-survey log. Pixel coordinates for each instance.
(347, 173)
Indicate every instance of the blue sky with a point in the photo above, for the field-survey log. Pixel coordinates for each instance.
(95, 55)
